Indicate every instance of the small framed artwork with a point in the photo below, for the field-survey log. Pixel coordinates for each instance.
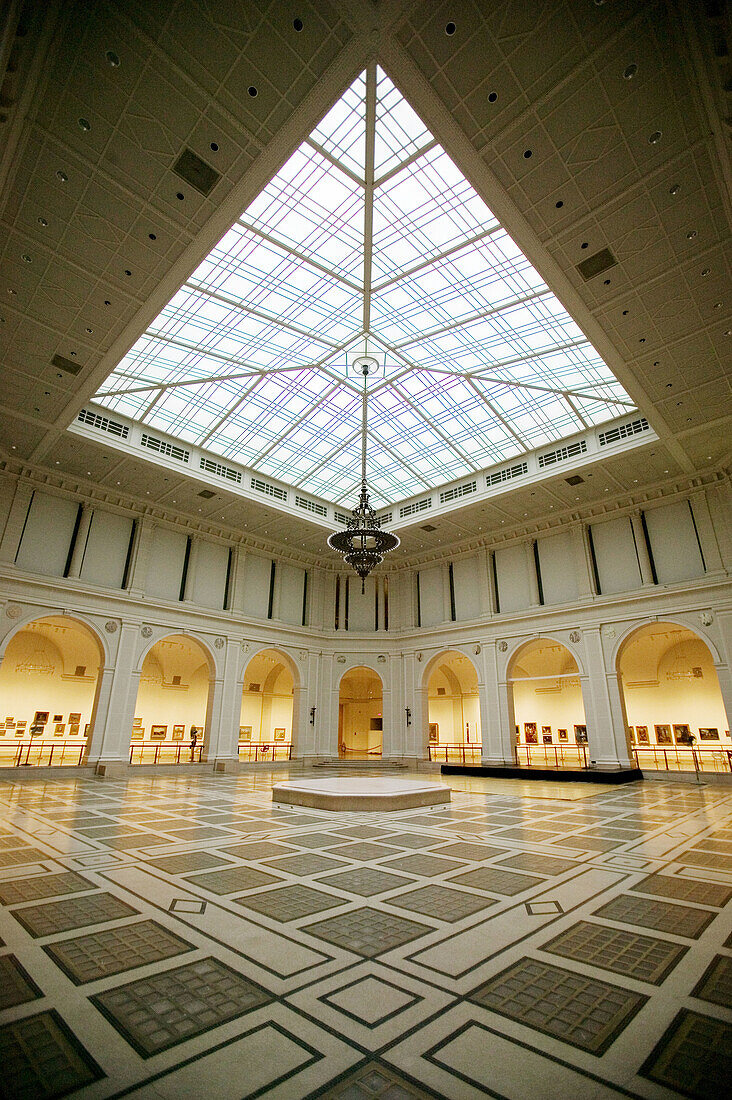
(562, 735)
(22, 725)
(59, 729)
(641, 735)
(580, 733)
(178, 733)
(87, 727)
(708, 733)
(157, 733)
(279, 734)
(10, 721)
(546, 735)
(17, 732)
(682, 733)
(73, 729)
(2, 729)
(434, 733)
(41, 718)
(75, 717)
(245, 733)
(663, 735)
(137, 733)
(530, 735)
(58, 717)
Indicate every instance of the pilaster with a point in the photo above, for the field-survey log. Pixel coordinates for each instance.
(16, 522)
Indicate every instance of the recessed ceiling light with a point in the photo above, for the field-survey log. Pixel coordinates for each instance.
(674, 189)
(655, 137)
(43, 222)
(630, 71)
(61, 175)
(85, 125)
(691, 234)
(112, 59)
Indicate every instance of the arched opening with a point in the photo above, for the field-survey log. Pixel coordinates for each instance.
(548, 708)
(360, 714)
(672, 700)
(265, 724)
(172, 703)
(454, 710)
(49, 683)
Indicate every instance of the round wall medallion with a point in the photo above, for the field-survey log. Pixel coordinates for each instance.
(111, 626)
(303, 654)
(574, 635)
(706, 618)
(341, 659)
(13, 611)
(609, 631)
(503, 646)
(419, 656)
(146, 631)
(478, 649)
(219, 642)
(381, 659)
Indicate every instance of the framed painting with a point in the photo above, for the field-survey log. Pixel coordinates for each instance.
(157, 733)
(75, 717)
(178, 733)
(279, 734)
(434, 733)
(58, 717)
(59, 729)
(682, 733)
(641, 735)
(546, 735)
(663, 735)
(41, 718)
(245, 733)
(73, 729)
(580, 733)
(708, 733)
(137, 733)
(562, 735)
(530, 735)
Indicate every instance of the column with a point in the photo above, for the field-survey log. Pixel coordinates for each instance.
(485, 597)
(109, 749)
(15, 523)
(303, 740)
(79, 547)
(446, 593)
(395, 719)
(531, 571)
(705, 532)
(496, 709)
(641, 546)
(193, 555)
(724, 670)
(583, 562)
(141, 552)
(221, 741)
(606, 733)
(414, 694)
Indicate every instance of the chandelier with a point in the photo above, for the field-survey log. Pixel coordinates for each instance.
(363, 543)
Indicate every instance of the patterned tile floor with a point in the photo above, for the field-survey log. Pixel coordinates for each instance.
(179, 936)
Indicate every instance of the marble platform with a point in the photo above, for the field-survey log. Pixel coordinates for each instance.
(370, 793)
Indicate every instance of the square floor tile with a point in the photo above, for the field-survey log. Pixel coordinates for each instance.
(367, 932)
(680, 920)
(684, 889)
(497, 881)
(305, 863)
(716, 984)
(414, 840)
(187, 861)
(290, 902)
(142, 840)
(645, 958)
(61, 916)
(374, 1081)
(371, 1000)
(694, 1057)
(188, 905)
(542, 908)
(466, 850)
(538, 835)
(16, 986)
(362, 832)
(43, 886)
(363, 850)
(542, 865)
(19, 856)
(697, 858)
(259, 849)
(441, 902)
(584, 1012)
(158, 1012)
(114, 950)
(200, 832)
(590, 843)
(313, 840)
(232, 879)
(366, 881)
(427, 866)
(42, 1059)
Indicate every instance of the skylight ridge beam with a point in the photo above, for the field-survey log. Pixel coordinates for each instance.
(229, 413)
(295, 424)
(324, 462)
(303, 257)
(492, 311)
(258, 313)
(449, 443)
(368, 206)
(500, 417)
(334, 161)
(437, 257)
(402, 461)
(576, 411)
(405, 163)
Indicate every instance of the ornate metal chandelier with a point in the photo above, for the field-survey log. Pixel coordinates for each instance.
(363, 543)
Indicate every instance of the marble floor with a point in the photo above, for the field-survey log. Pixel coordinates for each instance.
(180, 936)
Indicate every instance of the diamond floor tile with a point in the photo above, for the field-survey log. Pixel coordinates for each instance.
(694, 1057)
(474, 852)
(61, 916)
(366, 881)
(42, 886)
(367, 932)
(716, 984)
(363, 850)
(309, 863)
(114, 950)
(290, 902)
(584, 1012)
(362, 832)
(375, 1081)
(684, 889)
(232, 879)
(188, 861)
(155, 1013)
(313, 840)
(543, 865)
(441, 903)
(258, 849)
(42, 1059)
(16, 986)
(642, 957)
(428, 866)
(590, 843)
(680, 920)
(496, 881)
(413, 840)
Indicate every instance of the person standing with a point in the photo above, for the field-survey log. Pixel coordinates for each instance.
(194, 742)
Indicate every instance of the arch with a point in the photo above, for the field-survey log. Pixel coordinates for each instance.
(546, 704)
(452, 708)
(360, 713)
(50, 678)
(670, 693)
(176, 683)
(270, 688)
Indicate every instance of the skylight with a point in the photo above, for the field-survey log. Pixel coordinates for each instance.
(369, 232)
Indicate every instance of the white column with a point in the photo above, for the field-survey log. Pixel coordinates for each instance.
(531, 570)
(15, 523)
(485, 600)
(236, 592)
(641, 545)
(393, 709)
(584, 571)
(446, 593)
(110, 744)
(79, 547)
(221, 740)
(706, 533)
(141, 557)
(724, 669)
(496, 711)
(606, 733)
(303, 740)
(416, 740)
(193, 556)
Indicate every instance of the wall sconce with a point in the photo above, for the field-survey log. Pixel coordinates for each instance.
(312, 715)
(409, 715)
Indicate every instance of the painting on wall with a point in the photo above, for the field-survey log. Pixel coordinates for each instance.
(75, 717)
(137, 733)
(562, 735)
(682, 733)
(530, 735)
(157, 733)
(641, 735)
(73, 729)
(245, 733)
(178, 733)
(59, 729)
(708, 733)
(546, 735)
(663, 735)
(580, 733)
(41, 718)
(279, 734)
(58, 717)
(434, 733)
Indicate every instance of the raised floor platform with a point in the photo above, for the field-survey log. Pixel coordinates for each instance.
(369, 793)
(561, 775)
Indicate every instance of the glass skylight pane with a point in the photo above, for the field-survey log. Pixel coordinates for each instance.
(399, 130)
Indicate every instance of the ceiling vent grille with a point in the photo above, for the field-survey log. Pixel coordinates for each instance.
(196, 172)
(417, 506)
(386, 518)
(561, 454)
(220, 471)
(170, 450)
(623, 431)
(595, 265)
(269, 490)
(341, 517)
(311, 506)
(507, 474)
(62, 363)
(458, 491)
(96, 420)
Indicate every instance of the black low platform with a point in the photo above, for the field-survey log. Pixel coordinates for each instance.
(561, 775)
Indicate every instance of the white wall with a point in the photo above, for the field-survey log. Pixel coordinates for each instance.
(361, 608)
(557, 564)
(674, 543)
(49, 528)
(106, 549)
(208, 583)
(165, 566)
(514, 583)
(290, 582)
(431, 595)
(616, 557)
(255, 598)
(466, 585)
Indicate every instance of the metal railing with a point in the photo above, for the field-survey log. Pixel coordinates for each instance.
(676, 759)
(552, 756)
(254, 752)
(456, 754)
(155, 752)
(44, 754)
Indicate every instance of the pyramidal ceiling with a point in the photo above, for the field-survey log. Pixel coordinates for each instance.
(369, 234)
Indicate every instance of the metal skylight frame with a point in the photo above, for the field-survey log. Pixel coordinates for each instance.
(369, 229)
